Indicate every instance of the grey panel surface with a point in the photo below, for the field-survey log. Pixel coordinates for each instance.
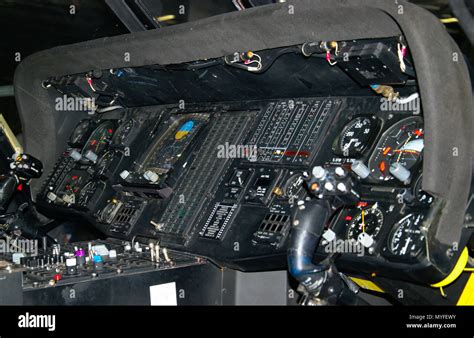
(255, 288)
(10, 288)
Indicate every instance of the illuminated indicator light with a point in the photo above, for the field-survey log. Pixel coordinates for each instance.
(296, 153)
(348, 218)
(110, 131)
(386, 150)
(165, 18)
(184, 130)
(382, 166)
(314, 186)
(20, 187)
(362, 204)
(57, 277)
(418, 132)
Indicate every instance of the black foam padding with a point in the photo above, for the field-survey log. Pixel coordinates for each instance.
(445, 89)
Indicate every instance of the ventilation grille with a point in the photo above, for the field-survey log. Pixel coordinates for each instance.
(200, 183)
(274, 223)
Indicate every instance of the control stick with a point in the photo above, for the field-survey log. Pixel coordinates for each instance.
(322, 284)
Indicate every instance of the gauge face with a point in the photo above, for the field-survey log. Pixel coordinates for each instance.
(407, 240)
(123, 132)
(72, 186)
(100, 138)
(104, 162)
(107, 214)
(402, 143)
(369, 220)
(356, 136)
(87, 192)
(79, 133)
(293, 187)
(421, 196)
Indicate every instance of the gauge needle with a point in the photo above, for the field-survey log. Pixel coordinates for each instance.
(404, 144)
(363, 220)
(405, 248)
(348, 145)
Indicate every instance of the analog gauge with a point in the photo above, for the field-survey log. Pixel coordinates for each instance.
(105, 162)
(293, 187)
(100, 138)
(368, 221)
(79, 133)
(108, 213)
(356, 136)
(402, 144)
(72, 186)
(87, 192)
(409, 154)
(407, 239)
(421, 196)
(124, 132)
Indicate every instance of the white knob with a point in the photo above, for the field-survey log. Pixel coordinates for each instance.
(124, 174)
(341, 187)
(319, 172)
(75, 155)
(91, 156)
(360, 169)
(400, 172)
(340, 172)
(151, 176)
(71, 261)
(329, 186)
(51, 196)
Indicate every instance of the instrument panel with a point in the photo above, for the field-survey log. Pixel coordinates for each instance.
(221, 180)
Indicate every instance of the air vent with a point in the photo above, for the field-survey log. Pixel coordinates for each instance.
(273, 230)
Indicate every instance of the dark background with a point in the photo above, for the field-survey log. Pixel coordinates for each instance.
(28, 26)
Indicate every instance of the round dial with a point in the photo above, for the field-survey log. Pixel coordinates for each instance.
(293, 187)
(100, 138)
(87, 192)
(123, 132)
(71, 187)
(369, 220)
(402, 144)
(104, 162)
(108, 212)
(407, 240)
(356, 136)
(79, 133)
(421, 196)
(74, 183)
